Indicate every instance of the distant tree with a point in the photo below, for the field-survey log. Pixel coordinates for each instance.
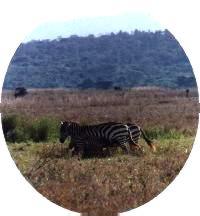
(117, 88)
(103, 84)
(20, 92)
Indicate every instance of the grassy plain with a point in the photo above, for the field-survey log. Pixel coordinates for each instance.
(104, 186)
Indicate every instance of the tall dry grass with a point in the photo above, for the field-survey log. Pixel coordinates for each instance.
(102, 186)
(148, 107)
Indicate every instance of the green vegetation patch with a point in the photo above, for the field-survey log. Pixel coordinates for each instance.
(165, 133)
(22, 129)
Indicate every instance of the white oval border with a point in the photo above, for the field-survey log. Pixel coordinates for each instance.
(17, 197)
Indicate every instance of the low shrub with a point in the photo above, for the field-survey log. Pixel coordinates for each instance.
(13, 129)
(9, 123)
(39, 130)
(22, 129)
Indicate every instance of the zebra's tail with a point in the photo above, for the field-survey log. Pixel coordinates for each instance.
(148, 141)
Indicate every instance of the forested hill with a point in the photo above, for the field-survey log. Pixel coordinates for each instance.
(122, 59)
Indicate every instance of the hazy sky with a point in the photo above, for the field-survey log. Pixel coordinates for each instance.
(96, 25)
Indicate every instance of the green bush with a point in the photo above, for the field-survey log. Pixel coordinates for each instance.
(20, 135)
(22, 129)
(9, 123)
(39, 130)
(14, 128)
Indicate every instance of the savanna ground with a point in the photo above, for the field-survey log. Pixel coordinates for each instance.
(100, 185)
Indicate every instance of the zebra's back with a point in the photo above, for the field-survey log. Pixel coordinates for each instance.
(111, 131)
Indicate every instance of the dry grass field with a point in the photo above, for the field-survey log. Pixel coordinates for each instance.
(105, 186)
(149, 107)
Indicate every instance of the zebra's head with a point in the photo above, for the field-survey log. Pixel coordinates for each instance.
(64, 130)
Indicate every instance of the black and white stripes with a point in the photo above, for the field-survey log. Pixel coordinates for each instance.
(102, 136)
(136, 132)
(115, 134)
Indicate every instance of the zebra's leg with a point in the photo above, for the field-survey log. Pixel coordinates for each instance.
(80, 150)
(106, 152)
(71, 152)
(125, 147)
(72, 149)
(135, 146)
(122, 143)
(136, 150)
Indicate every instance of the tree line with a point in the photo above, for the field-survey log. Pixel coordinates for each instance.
(123, 59)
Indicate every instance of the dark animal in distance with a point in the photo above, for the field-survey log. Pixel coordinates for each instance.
(117, 88)
(20, 92)
(187, 91)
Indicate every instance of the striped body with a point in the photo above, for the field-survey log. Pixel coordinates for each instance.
(94, 138)
(105, 135)
(135, 133)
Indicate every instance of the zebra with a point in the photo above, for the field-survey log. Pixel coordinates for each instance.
(88, 146)
(135, 133)
(111, 134)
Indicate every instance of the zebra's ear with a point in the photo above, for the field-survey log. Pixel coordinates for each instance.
(61, 122)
